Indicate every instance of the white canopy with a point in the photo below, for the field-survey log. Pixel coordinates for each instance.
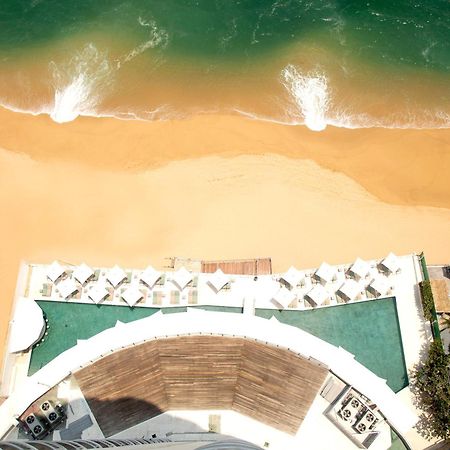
(284, 297)
(27, 326)
(67, 287)
(380, 285)
(55, 271)
(360, 268)
(82, 273)
(318, 294)
(326, 272)
(97, 293)
(132, 295)
(293, 276)
(350, 289)
(115, 276)
(181, 278)
(218, 280)
(391, 263)
(150, 276)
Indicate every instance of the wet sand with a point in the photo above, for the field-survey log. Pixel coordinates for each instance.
(105, 191)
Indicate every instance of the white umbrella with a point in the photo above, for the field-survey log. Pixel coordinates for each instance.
(55, 271)
(181, 278)
(350, 289)
(150, 276)
(115, 276)
(391, 263)
(67, 287)
(326, 272)
(284, 297)
(293, 276)
(318, 294)
(360, 268)
(132, 295)
(380, 285)
(97, 293)
(218, 280)
(82, 273)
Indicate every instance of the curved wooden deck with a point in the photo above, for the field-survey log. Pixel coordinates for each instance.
(269, 384)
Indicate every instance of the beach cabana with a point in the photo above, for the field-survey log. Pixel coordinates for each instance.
(67, 288)
(380, 286)
(349, 290)
(115, 276)
(27, 327)
(97, 293)
(150, 276)
(318, 294)
(181, 278)
(326, 273)
(132, 295)
(82, 273)
(218, 280)
(359, 269)
(293, 277)
(55, 271)
(283, 297)
(390, 264)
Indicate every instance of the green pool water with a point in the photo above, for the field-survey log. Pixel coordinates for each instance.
(369, 330)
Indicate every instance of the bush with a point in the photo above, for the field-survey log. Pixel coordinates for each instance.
(427, 300)
(432, 381)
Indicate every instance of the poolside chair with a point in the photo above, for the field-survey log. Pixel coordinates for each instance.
(96, 275)
(157, 298)
(293, 304)
(193, 297)
(161, 281)
(193, 283)
(175, 297)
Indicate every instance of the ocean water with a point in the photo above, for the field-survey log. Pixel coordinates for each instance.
(345, 63)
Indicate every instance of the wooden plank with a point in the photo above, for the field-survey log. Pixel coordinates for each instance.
(269, 384)
(260, 266)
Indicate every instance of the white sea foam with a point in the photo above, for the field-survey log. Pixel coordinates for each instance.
(158, 37)
(80, 84)
(311, 96)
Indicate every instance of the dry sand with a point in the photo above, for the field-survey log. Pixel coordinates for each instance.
(107, 191)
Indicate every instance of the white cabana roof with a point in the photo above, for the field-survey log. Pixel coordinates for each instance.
(181, 278)
(97, 293)
(150, 276)
(351, 289)
(82, 273)
(293, 276)
(116, 275)
(284, 297)
(55, 271)
(380, 284)
(27, 326)
(218, 280)
(326, 272)
(67, 287)
(391, 263)
(318, 294)
(360, 268)
(132, 295)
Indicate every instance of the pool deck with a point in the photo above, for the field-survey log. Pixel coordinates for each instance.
(244, 292)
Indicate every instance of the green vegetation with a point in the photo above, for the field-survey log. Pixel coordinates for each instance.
(432, 382)
(427, 300)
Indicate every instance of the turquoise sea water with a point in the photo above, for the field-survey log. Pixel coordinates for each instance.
(309, 60)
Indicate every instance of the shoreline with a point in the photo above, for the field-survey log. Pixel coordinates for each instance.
(411, 166)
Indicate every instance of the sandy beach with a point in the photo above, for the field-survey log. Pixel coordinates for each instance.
(106, 191)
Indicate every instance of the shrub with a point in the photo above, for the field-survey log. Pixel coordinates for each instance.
(432, 380)
(427, 300)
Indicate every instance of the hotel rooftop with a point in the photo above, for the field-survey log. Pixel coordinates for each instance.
(205, 353)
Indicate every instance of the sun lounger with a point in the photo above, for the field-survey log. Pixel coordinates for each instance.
(157, 298)
(175, 298)
(193, 297)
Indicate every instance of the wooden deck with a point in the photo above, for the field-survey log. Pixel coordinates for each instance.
(271, 385)
(260, 266)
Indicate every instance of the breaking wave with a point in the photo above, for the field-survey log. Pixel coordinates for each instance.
(80, 83)
(311, 95)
